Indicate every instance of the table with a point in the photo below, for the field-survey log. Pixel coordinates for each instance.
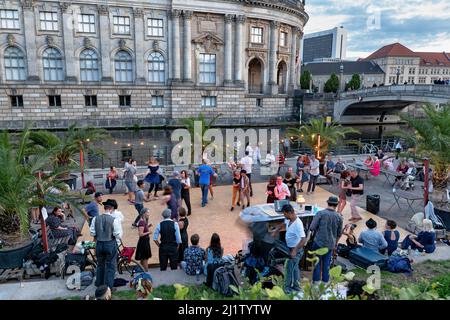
(360, 167)
(410, 198)
(257, 213)
(390, 173)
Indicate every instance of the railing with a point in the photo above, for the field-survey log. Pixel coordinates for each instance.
(396, 89)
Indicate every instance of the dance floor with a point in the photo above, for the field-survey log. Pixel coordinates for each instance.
(217, 217)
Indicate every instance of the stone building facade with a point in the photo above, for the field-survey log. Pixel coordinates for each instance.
(121, 63)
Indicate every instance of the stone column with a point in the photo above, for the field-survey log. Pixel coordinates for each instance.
(274, 29)
(187, 47)
(228, 59)
(239, 50)
(175, 17)
(30, 40)
(69, 52)
(299, 36)
(292, 65)
(141, 74)
(105, 43)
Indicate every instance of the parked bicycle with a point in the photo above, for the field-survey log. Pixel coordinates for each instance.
(369, 148)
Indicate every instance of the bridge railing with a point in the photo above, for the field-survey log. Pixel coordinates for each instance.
(395, 89)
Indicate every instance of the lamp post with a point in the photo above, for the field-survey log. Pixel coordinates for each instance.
(398, 75)
(341, 69)
(426, 166)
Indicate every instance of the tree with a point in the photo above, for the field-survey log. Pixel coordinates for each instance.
(332, 84)
(189, 124)
(75, 141)
(23, 184)
(431, 139)
(331, 135)
(355, 82)
(305, 80)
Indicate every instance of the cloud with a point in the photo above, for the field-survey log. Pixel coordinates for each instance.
(371, 24)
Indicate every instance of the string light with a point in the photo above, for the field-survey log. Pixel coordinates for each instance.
(115, 142)
(142, 143)
(129, 145)
(87, 140)
(154, 146)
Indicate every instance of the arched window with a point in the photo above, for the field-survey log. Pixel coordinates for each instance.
(156, 72)
(124, 67)
(89, 70)
(53, 65)
(255, 76)
(15, 64)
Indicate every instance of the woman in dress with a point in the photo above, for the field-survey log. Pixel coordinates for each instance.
(214, 252)
(170, 200)
(270, 189)
(183, 223)
(391, 236)
(58, 229)
(376, 167)
(343, 183)
(111, 179)
(153, 177)
(143, 250)
(185, 193)
(236, 191)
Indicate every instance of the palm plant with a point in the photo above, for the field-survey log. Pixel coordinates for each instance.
(74, 141)
(330, 135)
(431, 139)
(23, 184)
(205, 125)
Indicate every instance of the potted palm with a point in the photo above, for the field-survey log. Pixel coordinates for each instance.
(431, 139)
(22, 187)
(75, 141)
(317, 130)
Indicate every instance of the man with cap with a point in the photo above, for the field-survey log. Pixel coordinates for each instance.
(371, 238)
(176, 185)
(107, 233)
(170, 239)
(295, 242)
(92, 209)
(327, 226)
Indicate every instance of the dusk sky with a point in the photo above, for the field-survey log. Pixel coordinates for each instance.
(421, 25)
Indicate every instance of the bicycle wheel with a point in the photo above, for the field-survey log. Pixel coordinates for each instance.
(124, 266)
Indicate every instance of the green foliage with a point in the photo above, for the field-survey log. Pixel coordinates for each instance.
(431, 139)
(330, 136)
(442, 286)
(332, 84)
(354, 83)
(67, 146)
(23, 183)
(181, 292)
(305, 80)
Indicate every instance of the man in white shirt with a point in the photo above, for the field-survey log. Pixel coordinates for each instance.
(314, 173)
(246, 164)
(107, 233)
(249, 149)
(116, 213)
(295, 241)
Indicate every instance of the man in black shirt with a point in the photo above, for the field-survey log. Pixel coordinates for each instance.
(357, 190)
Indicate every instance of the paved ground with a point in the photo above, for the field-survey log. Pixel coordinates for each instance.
(215, 217)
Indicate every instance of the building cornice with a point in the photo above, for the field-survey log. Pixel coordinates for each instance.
(295, 7)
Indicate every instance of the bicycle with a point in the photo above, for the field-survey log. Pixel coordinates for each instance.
(388, 147)
(369, 148)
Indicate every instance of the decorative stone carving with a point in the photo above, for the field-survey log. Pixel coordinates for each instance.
(241, 19)
(187, 15)
(229, 18)
(27, 4)
(64, 6)
(209, 41)
(138, 12)
(155, 45)
(49, 40)
(103, 10)
(87, 42)
(122, 44)
(175, 13)
(274, 24)
(11, 39)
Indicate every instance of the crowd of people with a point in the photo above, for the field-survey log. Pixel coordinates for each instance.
(171, 234)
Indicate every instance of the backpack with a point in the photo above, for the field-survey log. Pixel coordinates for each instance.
(398, 264)
(223, 278)
(86, 278)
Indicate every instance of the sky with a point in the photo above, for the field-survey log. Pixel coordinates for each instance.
(421, 25)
